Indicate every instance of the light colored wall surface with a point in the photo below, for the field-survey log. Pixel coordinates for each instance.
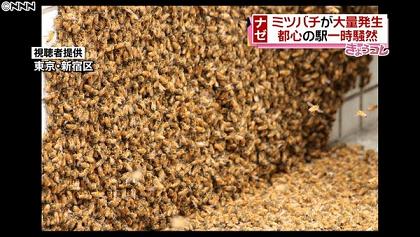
(357, 99)
(48, 16)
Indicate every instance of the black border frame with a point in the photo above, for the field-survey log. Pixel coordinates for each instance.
(22, 178)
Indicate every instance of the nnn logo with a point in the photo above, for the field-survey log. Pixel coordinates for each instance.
(17, 6)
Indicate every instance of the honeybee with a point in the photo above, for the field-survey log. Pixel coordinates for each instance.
(372, 107)
(179, 222)
(332, 9)
(314, 108)
(133, 15)
(134, 177)
(50, 36)
(361, 113)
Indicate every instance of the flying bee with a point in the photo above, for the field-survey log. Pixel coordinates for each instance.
(50, 36)
(361, 113)
(314, 108)
(372, 107)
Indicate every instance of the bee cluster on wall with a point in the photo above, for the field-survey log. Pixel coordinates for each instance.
(179, 113)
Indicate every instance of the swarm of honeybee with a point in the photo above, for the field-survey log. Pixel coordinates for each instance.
(179, 113)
